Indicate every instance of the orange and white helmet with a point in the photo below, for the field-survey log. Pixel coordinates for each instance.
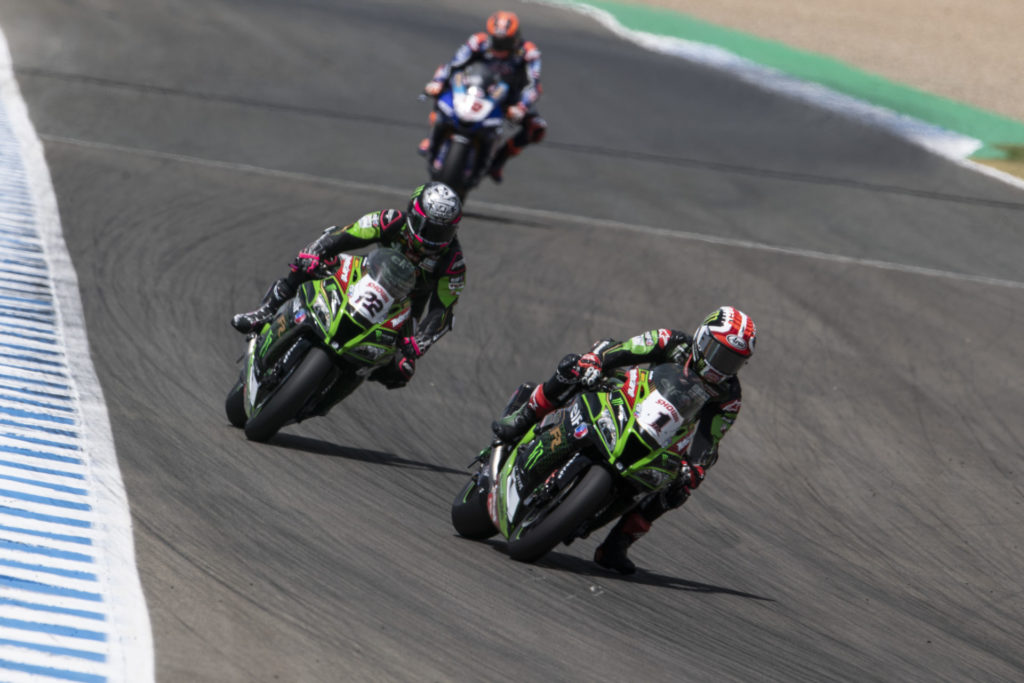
(503, 30)
(722, 344)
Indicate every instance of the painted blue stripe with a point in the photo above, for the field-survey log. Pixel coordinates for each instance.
(47, 485)
(11, 289)
(37, 371)
(41, 382)
(54, 629)
(40, 442)
(22, 245)
(45, 302)
(22, 276)
(16, 303)
(18, 284)
(53, 609)
(56, 571)
(4, 396)
(27, 414)
(43, 470)
(53, 650)
(30, 334)
(47, 589)
(14, 282)
(46, 552)
(39, 392)
(31, 349)
(44, 500)
(30, 359)
(39, 428)
(67, 521)
(8, 313)
(39, 454)
(63, 674)
(26, 277)
(81, 540)
(25, 262)
(14, 224)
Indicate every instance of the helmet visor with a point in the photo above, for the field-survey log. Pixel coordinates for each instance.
(720, 357)
(427, 232)
(503, 43)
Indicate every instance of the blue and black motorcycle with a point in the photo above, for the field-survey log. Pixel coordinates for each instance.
(471, 117)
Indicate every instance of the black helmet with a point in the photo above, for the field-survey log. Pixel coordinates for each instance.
(432, 218)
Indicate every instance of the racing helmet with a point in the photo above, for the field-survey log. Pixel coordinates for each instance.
(432, 218)
(722, 344)
(503, 29)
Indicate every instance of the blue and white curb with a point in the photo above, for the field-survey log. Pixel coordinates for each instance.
(71, 603)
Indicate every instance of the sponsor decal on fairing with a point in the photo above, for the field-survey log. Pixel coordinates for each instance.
(344, 270)
(631, 385)
(658, 417)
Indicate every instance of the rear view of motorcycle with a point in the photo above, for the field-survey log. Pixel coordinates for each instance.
(583, 466)
(323, 343)
(470, 125)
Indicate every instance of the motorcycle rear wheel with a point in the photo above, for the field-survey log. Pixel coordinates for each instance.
(544, 528)
(290, 397)
(452, 172)
(469, 513)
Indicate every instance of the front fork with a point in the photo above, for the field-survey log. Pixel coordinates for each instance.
(489, 471)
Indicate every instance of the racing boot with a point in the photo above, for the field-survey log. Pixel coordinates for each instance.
(496, 171)
(253, 321)
(511, 427)
(612, 553)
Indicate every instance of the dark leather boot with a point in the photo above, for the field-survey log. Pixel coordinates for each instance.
(511, 427)
(612, 553)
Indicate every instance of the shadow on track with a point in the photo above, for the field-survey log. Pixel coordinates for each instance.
(319, 447)
(564, 562)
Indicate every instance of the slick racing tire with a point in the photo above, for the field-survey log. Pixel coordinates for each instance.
(452, 173)
(234, 406)
(545, 527)
(469, 513)
(290, 397)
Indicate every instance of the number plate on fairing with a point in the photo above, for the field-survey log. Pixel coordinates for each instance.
(370, 300)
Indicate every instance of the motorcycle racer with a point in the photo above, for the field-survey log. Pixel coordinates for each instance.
(518, 62)
(721, 345)
(426, 235)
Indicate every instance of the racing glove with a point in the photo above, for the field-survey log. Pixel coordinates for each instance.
(588, 369)
(410, 348)
(311, 260)
(433, 88)
(691, 476)
(515, 113)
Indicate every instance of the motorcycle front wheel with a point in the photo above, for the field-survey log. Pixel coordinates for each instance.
(290, 397)
(549, 524)
(234, 406)
(469, 513)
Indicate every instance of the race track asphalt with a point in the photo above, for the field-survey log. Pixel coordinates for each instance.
(864, 521)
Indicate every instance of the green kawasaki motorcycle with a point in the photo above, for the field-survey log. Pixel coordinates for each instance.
(323, 343)
(585, 464)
